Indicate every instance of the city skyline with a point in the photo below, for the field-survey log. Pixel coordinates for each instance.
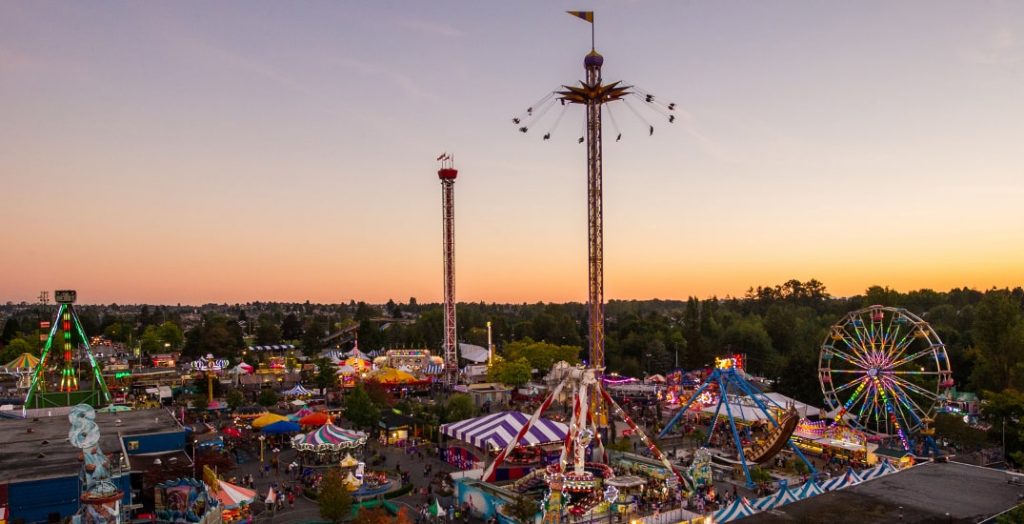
(188, 153)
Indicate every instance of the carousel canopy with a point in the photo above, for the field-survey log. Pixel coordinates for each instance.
(232, 496)
(498, 429)
(267, 419)
(296, 391)
(280, 428)
(24, 361)
(329, 438)
(345, 369)
(355, 353)
(302, 413)
(315, 419)
(394, 376)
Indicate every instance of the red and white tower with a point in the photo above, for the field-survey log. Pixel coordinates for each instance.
(447, 174)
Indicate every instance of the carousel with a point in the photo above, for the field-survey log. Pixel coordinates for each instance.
(325, 445)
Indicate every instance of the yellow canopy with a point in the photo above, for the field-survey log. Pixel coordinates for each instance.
(394, 376)
(266, 420)
(24, 361)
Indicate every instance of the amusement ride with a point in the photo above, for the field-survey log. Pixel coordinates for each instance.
(884, 370)
(65, 350)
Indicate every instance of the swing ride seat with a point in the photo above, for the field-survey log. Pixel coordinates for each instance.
(776, 439)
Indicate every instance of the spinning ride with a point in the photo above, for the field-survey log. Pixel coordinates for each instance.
(573, 481)
(782, 420)
(885, 370)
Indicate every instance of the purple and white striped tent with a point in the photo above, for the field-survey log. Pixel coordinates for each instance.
(496, 430)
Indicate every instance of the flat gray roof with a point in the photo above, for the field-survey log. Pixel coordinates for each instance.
(25, 456)
(925, 493)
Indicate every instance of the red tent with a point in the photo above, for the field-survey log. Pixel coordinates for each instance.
(315, 419)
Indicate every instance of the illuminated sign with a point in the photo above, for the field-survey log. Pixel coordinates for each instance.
(122, 374)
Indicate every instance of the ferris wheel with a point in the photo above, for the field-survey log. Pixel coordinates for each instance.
(884, 370)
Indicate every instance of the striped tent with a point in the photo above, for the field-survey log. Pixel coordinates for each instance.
(273, 347)
(297, 391)
(779, 498)
(807, 490)
(25, 361)
(329, 438)
(740, 508)
(850, 478)
(498, 429)
(233, 496)
(434, 369)
(883, 468)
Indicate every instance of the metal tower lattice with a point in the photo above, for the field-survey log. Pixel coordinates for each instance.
(447, 174)
(592, 94)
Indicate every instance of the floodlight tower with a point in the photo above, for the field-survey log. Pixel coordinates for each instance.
(447, 174)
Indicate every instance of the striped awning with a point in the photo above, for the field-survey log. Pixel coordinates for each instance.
(883, 468)
(808, 489)
(780, 498)
(273, 347)
(434, 369)
(739, 509)
(850, 478)
(498, 429)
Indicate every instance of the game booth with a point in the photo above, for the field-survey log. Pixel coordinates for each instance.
(471, 443)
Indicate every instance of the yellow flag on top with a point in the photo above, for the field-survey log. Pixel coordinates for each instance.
(585, 15)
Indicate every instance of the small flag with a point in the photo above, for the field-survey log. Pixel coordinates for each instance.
(585, 15)
(443, 156)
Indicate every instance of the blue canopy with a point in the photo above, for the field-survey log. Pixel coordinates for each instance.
(280, 427)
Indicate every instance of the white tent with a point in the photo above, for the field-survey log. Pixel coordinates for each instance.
(297, 390)
(740, 508)
(779, 498)
(850, 478)
(883, 468)
(805, 410)
(473, 353)
(808, 489)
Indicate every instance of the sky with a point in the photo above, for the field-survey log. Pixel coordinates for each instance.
(195, 152)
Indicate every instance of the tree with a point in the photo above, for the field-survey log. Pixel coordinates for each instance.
(541, 355)
(514, 373)
(170, 333)
(334, 499)
(524, 509)
(460, 407)
(200, 402)
(151, 342)
(268, 397)
(998, 333)
(267, 332)
(11, 329)
(326, 375)
(13, 349)
(235, 399)
(360, 409)
(291, 327)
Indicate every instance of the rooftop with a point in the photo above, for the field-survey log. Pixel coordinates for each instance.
(38, 448)
(925, 493)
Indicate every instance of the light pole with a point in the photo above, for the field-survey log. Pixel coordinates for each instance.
(611, 494)
(262, 438)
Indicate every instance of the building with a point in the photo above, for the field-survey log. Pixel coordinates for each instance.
(39, 468)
